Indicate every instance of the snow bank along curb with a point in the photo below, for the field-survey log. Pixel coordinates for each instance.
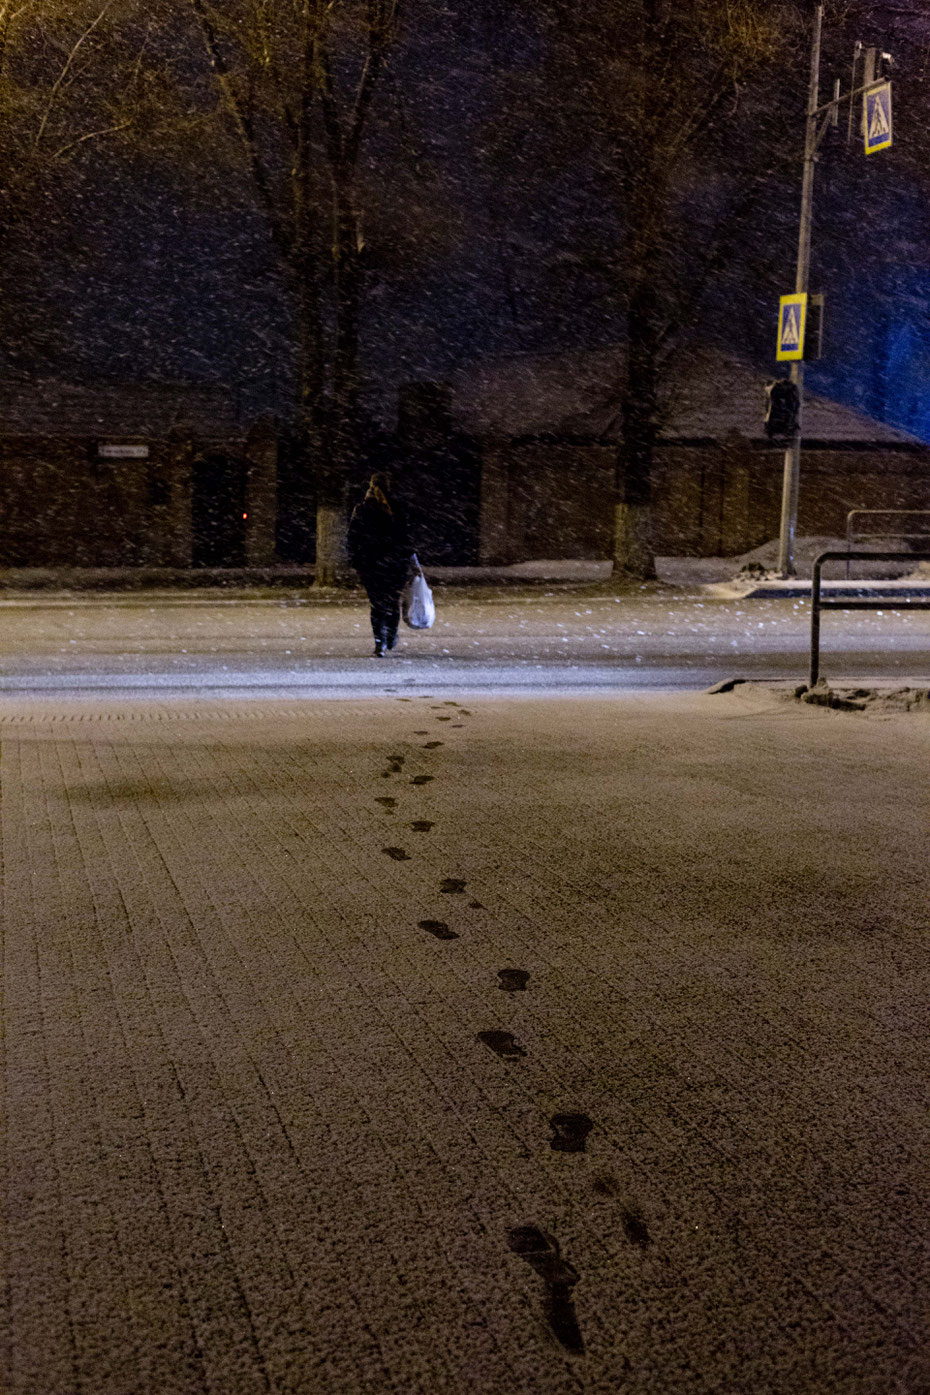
(774, 588)
(847, 698)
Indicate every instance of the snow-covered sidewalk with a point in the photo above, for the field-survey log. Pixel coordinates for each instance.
(300, 996)
(684, 573)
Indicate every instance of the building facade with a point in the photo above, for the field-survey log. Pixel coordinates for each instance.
(155, 476)
(512, 461)
(547, 430)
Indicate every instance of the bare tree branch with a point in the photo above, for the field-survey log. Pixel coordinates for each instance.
(328, 101)
(72, 145)
(271, 65)
(382, 23)
(243, 123)
(57, 84)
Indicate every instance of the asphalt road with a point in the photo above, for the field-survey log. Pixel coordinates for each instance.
(488, 640)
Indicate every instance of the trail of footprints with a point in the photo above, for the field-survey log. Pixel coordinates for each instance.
(570, 1131)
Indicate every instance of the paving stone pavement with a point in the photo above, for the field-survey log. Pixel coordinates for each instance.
(263, 1132)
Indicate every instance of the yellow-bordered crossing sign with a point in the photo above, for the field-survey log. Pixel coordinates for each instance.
(792, 320)
(876, 118)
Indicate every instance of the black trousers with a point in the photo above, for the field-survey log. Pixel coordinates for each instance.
(384, 592)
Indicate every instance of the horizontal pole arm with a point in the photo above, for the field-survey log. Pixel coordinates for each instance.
(848, 97)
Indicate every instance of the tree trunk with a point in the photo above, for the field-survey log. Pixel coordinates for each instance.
(633, 547)
(643, 176)
(342, 430)
(332, 567)
(633, 557)
(314, 431)
(343, 434)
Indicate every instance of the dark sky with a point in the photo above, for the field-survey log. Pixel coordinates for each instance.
(138, 280)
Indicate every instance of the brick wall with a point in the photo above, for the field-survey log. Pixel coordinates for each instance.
(554, 498)
(63, 506)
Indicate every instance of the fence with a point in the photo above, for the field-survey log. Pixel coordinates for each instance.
(885, 513)
(878, 603)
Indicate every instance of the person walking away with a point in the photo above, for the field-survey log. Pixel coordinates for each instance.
(381, 552)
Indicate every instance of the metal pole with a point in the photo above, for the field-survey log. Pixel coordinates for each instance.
(814, 674)
(792, 470)
(852, 87)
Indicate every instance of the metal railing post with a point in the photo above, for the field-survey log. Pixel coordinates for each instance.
(879, 603)
(884, 513)
(849, 519)
(814, 674)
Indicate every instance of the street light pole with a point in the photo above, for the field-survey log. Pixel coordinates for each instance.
(792, 470)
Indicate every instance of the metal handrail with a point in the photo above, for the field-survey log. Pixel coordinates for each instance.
(817, 605)
(885, 513)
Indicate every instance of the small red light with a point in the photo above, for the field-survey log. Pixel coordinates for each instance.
(245, 515)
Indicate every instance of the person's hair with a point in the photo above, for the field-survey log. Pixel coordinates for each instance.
(378, 487)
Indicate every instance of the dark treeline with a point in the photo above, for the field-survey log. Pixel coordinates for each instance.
(317, 202)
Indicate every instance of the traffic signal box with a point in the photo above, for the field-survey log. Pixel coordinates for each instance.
(783, 408)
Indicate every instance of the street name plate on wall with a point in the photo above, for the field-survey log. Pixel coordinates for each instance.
(120, 452)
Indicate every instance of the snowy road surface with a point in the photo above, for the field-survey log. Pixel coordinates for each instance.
(301, 994)
(486, 640)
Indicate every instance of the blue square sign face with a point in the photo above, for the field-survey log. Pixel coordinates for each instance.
(876, 118)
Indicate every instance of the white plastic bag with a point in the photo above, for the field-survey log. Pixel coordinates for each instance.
(417, 604)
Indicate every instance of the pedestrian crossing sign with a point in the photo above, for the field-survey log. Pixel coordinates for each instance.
(792, 319)
(876, 118)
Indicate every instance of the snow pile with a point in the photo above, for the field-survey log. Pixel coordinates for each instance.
(761, 563)
(847, 699)
(561, 569)
(842, 698)
(764, 559)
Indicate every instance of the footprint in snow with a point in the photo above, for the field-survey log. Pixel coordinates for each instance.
(540, 1250)
(422, 779)
(503, 1044)
(421, 826)
(386, 800)
(635, 1229)
(439, 928)
(570, 1132)
(513, 980)
(398, 854)
(454, 886)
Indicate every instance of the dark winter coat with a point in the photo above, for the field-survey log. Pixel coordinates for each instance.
(379, 545)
